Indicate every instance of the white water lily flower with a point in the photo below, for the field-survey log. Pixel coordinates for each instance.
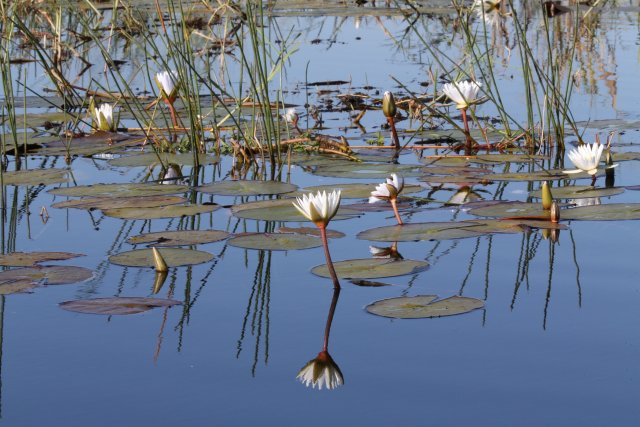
(321, 372)
(462, 93)
(168, 83)
(291, 116)
(319, 208)
(586, 158)
(104, 118)
(388, 190)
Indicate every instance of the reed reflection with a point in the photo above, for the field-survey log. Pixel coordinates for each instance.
(323, 371)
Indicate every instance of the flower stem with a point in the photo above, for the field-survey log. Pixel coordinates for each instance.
(467, 134)
(327, 255)
(394, 205)
(332, 310)
(394, 133)
(172, 110)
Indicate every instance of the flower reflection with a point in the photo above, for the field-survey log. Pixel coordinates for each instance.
(321, 372)
(386, 252)
(170, 175)
(587, 201)
(464, 195)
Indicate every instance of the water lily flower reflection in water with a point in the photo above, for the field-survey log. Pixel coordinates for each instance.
(388, 191)
(319, 208)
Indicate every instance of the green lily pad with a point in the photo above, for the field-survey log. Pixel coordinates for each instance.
(506, 158)
(179, 238)
(35, 177)
(312, 231)
(119, 190)
(367, 170)
(466, 180)
(629, 155)
(116, 305)
(549, 175)
(90, 145)
(514, 226)
(275, 241)
(174, 257)
(455, 170)
(119, 202)
(448, 160)
(247, 188)
(510, 209)
(46, 275)
(280, 210)
(173, 211)
(420, 231)
(372, 268)
(148, 159)
(355, 191)
(608, 212)
(579, 192)
(423, 306)
(29, 259)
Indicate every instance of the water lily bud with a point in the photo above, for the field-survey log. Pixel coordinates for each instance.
(158, 260)
(555, 212)
(388, 105)
(547, 198)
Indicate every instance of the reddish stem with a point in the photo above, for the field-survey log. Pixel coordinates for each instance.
(394, 133)
(327, 255)
(332, 310)
(172, 110)
(467, 134)
(394, 205)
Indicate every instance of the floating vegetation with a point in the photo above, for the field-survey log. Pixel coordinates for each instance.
(172, 211)
(423, 306)
(36, 177)
(372, 268)
(247, 188)
(29, 259)
(356, 190)
(119, 190)
(606, 212)
(174, 257)
(580, 192)
(150, 159)
(117, 305)
(179, 238)
(367, 170)
(281, 210)
(275, 241)
(115, 202)
(21, 279)
(421, 231)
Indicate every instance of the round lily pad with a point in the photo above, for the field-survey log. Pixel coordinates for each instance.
(550, 175)
(280, 210)
(35, 177)
(455, 170)
(247, 188)
(179, 238)
(46, 275)
(312, 231)
(420, 231)
(119, 202)
(355, 191)
(367, 170)
(579, 192)
(510, 209)
(372, 268)
(172, 211)
(275, 241)
(148, 159)
(174, 257)
(29, 259)
(505, 158)
(607, 212)
(514, 226)
(423, 306)
(629, 155)
(119, 190)
(466, 180)
(116, 305)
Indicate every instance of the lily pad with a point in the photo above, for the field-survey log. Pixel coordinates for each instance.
(510, 209)
(179, 238)
(355, 191)
(514, 226)
(173, 211)
(35, 177)
(96, 143)
(120, 202)
(367, 170)
(607, 212)
(174, 257)
(29, 259)
(579, 192)
(372, 268)
(629, 155)
(455, 170)
(280, 210)
(119, 190)
(465, 180)
(506, 158)
(46, 275)
(550, 175)
(420, 231)
(247, 188)
(148, 159)
(116, 305)
(423, 306)
(275, 241)
(312, 231)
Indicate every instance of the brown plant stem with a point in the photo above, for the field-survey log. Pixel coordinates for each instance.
(394, 133)
(394, 205)
(172, 110)
(327, 255)
(332, 310)
(467, 134)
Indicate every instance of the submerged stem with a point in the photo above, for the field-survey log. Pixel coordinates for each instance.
(332, 310)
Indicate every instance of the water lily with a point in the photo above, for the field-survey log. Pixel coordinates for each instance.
(104, 119)
(388, 191)
(389, 110)
(321, 372)
(319, 208)
(586, 158)
(168, 84)
(463, 93)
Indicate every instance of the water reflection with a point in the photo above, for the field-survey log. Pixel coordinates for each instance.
(323, 371)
